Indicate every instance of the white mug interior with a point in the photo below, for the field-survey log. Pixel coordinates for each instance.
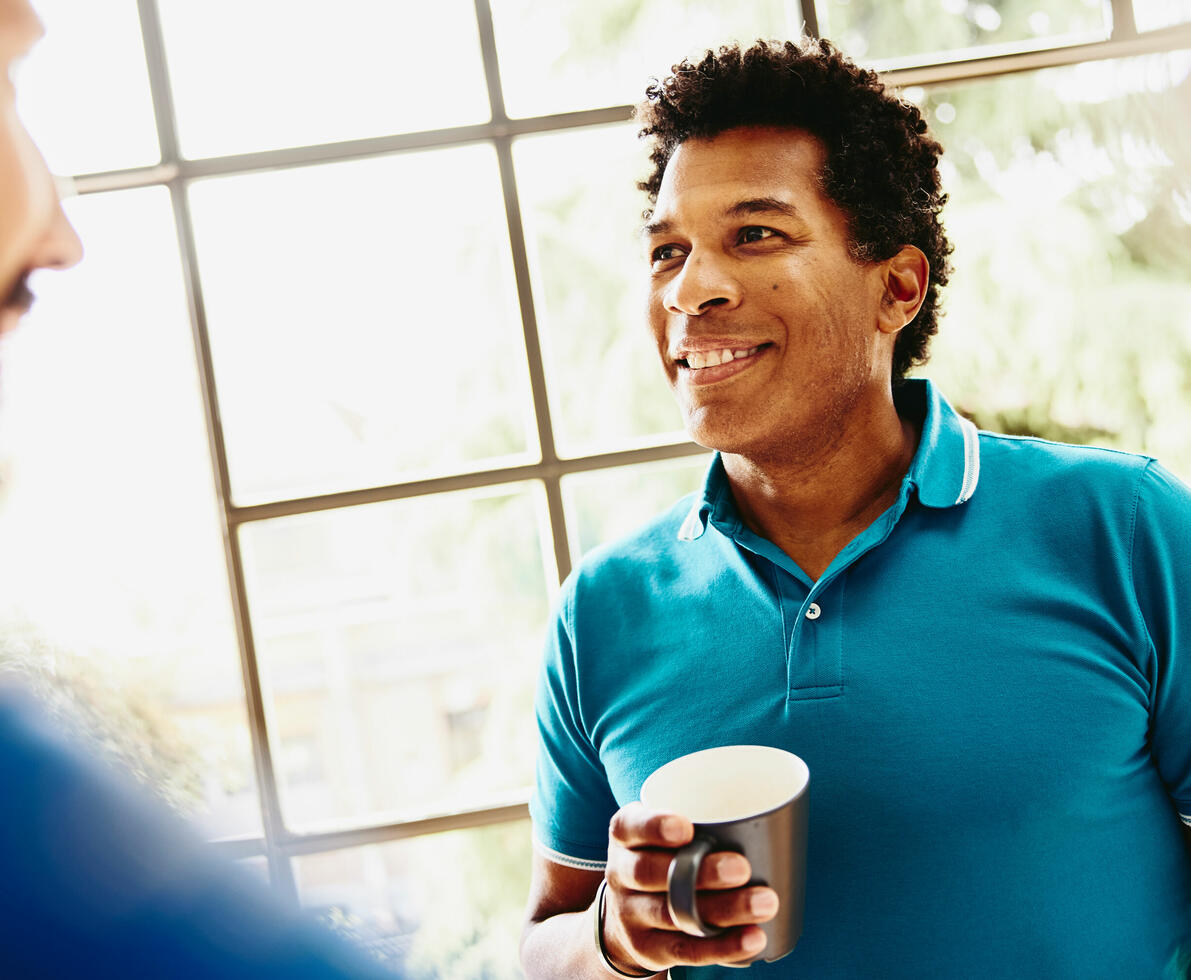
(733, 782)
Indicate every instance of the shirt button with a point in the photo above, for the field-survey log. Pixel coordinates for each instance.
(813, 611)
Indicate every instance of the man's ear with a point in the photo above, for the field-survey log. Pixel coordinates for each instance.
(906, 277)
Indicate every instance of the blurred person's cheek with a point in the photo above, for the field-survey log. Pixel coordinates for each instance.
(27, 196)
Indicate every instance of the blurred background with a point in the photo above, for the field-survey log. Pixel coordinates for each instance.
(355, 369)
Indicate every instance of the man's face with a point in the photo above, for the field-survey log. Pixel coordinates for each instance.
(750, 266)
(34, 233)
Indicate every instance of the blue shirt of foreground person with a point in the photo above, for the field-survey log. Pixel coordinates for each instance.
(99, 882)
(95, 880)
(981, 645)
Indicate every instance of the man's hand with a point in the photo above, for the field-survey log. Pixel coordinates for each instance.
(638, 930)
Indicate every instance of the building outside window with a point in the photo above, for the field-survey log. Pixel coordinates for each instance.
(355, 371)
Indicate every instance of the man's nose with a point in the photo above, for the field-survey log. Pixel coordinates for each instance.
(60, 247)
(702, 284)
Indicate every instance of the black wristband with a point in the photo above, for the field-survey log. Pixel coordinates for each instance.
(598, 906)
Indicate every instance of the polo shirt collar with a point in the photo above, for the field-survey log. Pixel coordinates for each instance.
(945, 469)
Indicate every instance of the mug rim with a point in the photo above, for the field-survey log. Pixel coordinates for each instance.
(785, 801)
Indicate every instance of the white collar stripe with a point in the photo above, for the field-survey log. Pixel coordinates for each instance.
(692, 527)
(971, 460)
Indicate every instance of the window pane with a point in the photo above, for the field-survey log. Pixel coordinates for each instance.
(581, 55)
(605, 377)
(443, 905)
(364, 322)
(261, 74)
(606, 504)
(1152, 14)
(876, 30)
(1069, 314)
(84, 91)
(399, 644)
(113, 575)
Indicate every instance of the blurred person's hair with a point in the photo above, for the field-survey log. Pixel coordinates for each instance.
(881, 165)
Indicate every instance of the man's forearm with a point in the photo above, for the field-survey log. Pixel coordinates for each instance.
(563, 946)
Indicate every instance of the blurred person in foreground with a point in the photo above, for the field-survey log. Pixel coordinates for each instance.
(98, 880)
(980, 644)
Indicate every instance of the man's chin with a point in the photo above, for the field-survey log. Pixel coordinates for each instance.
(10, 317)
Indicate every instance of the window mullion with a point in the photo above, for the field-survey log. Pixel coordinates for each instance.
(810, 19)
(159, 82)
(280, 870)
(1124, 26)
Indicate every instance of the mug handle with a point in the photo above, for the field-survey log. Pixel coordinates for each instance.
(681, 892)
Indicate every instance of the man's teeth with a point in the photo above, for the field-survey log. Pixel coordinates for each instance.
(710, 358)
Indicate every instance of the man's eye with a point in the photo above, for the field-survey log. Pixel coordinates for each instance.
(663, 253)
(755, 233)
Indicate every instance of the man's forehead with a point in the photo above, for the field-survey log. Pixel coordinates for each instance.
(744, 164)
(19, 27)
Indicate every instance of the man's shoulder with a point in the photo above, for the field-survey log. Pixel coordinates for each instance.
(1029, 457)
(1066, 481)
(639, 560)
(641, 547)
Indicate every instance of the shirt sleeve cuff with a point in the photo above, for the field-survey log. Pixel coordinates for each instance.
(585, 864)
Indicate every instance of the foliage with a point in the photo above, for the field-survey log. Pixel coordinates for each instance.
(122, 717)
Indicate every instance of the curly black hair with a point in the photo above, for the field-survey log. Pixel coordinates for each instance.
(881, 167)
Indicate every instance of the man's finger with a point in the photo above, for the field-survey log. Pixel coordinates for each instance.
(644, 910)
(664, 949)
(723, 869)
(635, 826)
(647, 869)
(641, 869)
(740, 907)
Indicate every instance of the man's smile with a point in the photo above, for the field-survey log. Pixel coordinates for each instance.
(711, 365)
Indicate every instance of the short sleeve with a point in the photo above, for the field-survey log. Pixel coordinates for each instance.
(572, 802)
(1161, 563)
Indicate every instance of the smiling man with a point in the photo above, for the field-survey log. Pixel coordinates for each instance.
(980, 645)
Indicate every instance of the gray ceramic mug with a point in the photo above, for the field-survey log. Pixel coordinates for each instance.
(752, 799)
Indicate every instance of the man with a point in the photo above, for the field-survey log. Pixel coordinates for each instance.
(980, 645)
(97, 881)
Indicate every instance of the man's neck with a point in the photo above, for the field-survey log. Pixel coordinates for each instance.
(812, 506)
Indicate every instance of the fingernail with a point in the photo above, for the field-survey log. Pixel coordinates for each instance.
(734, 868)
(672, 830)
(763, 903)
(754, 941)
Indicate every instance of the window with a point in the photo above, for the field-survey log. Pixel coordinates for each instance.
(367, 300)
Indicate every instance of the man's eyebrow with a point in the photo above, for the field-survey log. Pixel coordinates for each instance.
(762, 205)
(749, 206)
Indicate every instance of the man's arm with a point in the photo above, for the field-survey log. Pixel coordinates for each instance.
(559, 938)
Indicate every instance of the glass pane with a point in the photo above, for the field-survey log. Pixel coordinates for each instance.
(262, 74)
(876, 30)
(1152, 14)
(443, 905)
(1069, 314)
(364, 322)
(114, 581)
(398, 644)
(582, 55)
(84, 91)
(582, 222)
(603, 505)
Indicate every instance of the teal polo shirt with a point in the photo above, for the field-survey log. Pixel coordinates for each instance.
(991, 686)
